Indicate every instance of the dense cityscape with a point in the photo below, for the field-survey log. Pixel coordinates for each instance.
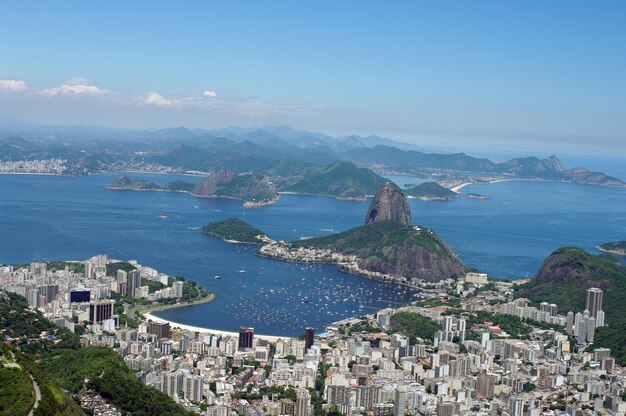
(469, 348)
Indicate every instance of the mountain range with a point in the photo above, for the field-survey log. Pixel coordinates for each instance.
(282, 153)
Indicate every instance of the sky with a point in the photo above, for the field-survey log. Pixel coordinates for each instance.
(498, 75)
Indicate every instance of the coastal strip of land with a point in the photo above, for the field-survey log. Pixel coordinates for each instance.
(184, 327)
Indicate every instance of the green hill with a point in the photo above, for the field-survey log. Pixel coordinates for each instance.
(430, 190)
(179, 186)
(233, 230)
(341, 180)
(58, 362)
(125, 182)
(246, 187)
(390, 247)
(564, 279)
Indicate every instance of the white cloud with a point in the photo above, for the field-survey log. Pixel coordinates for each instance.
(73, 88)
(158, 100)
(208, 93)
(12, 85)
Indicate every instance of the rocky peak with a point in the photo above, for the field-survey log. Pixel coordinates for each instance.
(211, 183)
(556, 164)
(389, 203)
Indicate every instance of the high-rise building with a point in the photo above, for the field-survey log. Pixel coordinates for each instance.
(172, 383)
(485, 385)
(303, 403)
(192, 387)
(38, 269)
(309, 338)
(100, 310)
(178, 289)
(594, 301)
(122, 282)
(400, 401)
(246, 338)
(33, 298)
(160, 329)
(570, 323)
(133, 282)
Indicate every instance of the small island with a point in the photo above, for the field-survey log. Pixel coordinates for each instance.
(234, 230)
(476, 196)
(125, 182)
(615, 247)
(430, 191)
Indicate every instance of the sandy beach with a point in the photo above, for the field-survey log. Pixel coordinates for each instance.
(149, 316)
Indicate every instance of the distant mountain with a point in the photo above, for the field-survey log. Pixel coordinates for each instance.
(341, 179)
(430, 191)
(246, 187)
(277, 151)
(564, 278)
(527, 167)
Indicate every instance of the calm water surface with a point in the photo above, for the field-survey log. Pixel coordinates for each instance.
(508, 235)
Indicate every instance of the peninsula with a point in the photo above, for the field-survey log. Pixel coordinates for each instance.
(615, 247)
(387, 247)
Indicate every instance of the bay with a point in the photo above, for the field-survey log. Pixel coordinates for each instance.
(508, 236)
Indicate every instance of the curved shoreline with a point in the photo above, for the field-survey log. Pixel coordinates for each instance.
(609, 251)
(148, 315)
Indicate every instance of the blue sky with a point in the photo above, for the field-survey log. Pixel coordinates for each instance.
(466, 75)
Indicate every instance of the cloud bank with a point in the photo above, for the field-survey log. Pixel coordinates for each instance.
(12, 85)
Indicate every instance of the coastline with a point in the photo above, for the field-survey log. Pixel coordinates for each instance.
(458, 187)
(147, 313)
(614, 252)
(155, 308)
(246, 204)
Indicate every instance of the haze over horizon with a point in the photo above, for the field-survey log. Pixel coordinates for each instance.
(535, 77)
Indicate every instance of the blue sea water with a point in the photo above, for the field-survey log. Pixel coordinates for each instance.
(508, 235)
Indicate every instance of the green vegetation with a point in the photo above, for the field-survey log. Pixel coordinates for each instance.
(414, 325)
(341, 179)
(109, 376)
(389, 247)
(16, 391)
(233, 229)
(430, 190)
(125, 182)
(253, 188)
(179, 186)
(76, 267)
(615, 247)
(191, 290)
(152, 285)
(112, 268)
(363, 327)
(57, 361)
(511, 324)
(564, 279)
